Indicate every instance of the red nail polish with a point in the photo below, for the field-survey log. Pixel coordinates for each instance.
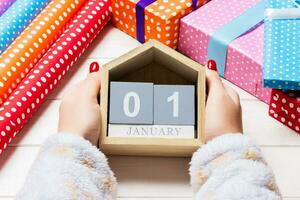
(212, 65)
(94, 67)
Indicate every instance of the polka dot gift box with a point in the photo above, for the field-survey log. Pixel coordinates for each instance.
(285, 107)
(152, 19)
(5, 4)
(234, 32)
(55, 63)
(282, 40)
(17, 60)
(17, 18)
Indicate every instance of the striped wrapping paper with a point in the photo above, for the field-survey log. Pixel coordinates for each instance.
(55, 63)
(16, 18)
(17, 60)
(5, 4)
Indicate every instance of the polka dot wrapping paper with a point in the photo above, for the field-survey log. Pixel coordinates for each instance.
(282, 52)
(17, 60)
(5, 4)
(244, 55)
(55, 63)
(285, 107)
(16, 18)
(161, 18)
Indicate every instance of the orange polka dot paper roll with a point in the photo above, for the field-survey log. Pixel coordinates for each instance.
(25, 51)
(52, 67)
(152, 19)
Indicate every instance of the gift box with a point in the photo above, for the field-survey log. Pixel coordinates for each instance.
(285, 107)
(282, 40)
(233, 36)
(152, 19)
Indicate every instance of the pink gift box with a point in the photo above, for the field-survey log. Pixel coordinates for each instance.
(244, 55)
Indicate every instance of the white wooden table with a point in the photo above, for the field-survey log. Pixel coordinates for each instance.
(148, 178)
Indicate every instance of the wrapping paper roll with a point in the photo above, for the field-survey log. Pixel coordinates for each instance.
(16, 18)
(55, 63)
(5, 4)
(17, 60)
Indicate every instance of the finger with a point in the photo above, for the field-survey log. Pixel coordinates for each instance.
(233, 95)
(214, 82)
(91, 85)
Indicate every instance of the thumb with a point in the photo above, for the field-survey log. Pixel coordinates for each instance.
(92, 84)
(213, 79)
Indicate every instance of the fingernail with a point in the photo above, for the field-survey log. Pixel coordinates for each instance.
(94, 67)
(212, 65)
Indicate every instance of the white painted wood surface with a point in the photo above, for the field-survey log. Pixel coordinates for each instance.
(148, 178)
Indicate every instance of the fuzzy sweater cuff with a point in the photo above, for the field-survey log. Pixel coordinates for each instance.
(69, 167)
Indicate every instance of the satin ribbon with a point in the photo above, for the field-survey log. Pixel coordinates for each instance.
(140, 17)
(220, 39)
(283, 13)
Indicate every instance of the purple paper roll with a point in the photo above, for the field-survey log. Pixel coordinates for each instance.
(5, 4)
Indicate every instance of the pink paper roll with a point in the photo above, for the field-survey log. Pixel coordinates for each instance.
(45, 75)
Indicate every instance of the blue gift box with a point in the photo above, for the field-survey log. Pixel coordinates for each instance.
(282, 45)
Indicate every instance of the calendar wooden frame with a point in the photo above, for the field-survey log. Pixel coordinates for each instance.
(130, 66)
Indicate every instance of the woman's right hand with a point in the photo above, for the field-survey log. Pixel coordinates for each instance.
(223, 108)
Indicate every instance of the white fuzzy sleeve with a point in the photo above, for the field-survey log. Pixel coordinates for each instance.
(232, 167)
(69, 167)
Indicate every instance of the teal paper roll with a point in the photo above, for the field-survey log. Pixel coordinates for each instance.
(17, 18)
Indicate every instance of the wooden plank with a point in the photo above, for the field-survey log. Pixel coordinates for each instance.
(136, 174)
(163, 177)
(110, 43)
(285, 163)
(43, 124)
(266, 130)
(151, 177)
(15, 163)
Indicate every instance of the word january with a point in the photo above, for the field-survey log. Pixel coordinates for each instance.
(153, 131)
(158, 131)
